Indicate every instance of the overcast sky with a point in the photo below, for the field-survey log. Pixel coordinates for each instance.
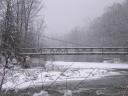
(63, 15)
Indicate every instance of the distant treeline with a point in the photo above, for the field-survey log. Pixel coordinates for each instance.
(109, 30)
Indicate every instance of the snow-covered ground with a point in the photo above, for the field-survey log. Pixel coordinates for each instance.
(92, 65)
(18, 78)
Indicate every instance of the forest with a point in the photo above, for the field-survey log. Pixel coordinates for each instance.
(20, 23)
(23, 26)
(108, 30)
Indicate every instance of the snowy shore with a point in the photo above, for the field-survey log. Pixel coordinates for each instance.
(18, 78)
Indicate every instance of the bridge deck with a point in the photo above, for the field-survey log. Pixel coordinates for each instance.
(74, 51)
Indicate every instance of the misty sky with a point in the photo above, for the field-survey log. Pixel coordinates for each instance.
(63, 15)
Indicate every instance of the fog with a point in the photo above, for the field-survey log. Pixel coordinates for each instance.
(61, 16)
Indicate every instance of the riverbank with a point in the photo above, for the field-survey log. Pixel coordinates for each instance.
(67, 76)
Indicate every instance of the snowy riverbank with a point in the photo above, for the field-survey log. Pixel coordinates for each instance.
(18, 78)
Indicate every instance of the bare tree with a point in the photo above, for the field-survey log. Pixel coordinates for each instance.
(17, 19)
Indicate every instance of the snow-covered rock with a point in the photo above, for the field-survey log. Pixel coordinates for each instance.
(42, 93)
(68, 93)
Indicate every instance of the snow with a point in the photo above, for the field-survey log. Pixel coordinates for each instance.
(92, 65)
(68, 93)
(42, 93)
(19, 78)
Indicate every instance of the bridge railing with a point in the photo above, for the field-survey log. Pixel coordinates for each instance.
(73, 51)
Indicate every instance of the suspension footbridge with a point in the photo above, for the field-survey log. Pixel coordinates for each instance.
(75, 51)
